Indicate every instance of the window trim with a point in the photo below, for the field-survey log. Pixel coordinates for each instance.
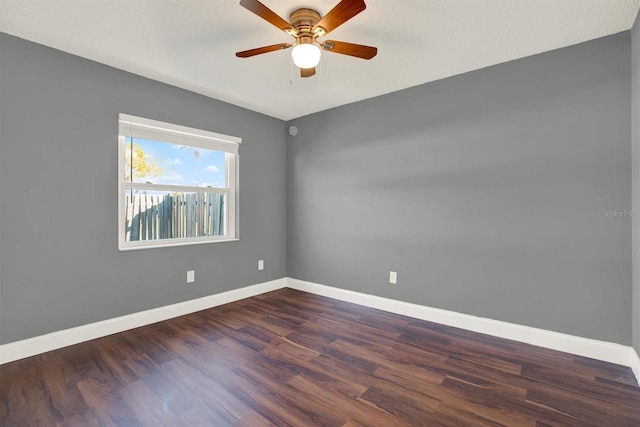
(139, 127)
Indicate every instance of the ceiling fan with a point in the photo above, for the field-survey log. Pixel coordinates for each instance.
(306, 26)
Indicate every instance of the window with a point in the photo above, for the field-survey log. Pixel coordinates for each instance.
(177, 185)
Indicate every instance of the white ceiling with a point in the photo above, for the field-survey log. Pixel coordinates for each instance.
(191, 43)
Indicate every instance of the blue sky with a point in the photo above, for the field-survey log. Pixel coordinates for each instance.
(181, 166)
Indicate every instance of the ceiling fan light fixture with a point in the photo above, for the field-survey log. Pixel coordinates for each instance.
(306, 55)
(306, 26)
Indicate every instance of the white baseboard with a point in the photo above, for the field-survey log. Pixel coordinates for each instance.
(43, 343)
(635, 364)
(601, 350)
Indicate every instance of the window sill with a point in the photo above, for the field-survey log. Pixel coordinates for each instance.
(172, 244)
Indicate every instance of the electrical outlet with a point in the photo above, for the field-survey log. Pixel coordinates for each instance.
(393, 277)
(191, 276)
(260, 264)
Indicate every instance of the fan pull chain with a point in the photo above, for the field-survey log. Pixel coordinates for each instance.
(290, 71)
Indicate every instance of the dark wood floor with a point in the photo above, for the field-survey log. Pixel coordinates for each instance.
(291, 358)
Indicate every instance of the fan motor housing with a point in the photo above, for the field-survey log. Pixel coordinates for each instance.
(304, 20)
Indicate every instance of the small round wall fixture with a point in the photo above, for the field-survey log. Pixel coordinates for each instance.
(293, 130)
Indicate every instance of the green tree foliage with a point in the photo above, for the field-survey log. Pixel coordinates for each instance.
(141, 164)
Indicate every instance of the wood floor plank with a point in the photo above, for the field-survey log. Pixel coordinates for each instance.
(148, 408)
(84, 419)
(213, 402)
(288, 358)
(106, 404)
(253, 419)
(169, 391)
(584, 384)
(356, 409)
(485, 403)
(29, 399)
(60, 381)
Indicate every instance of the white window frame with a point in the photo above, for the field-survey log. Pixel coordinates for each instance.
(139, 127)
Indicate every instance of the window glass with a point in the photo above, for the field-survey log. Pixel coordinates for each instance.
(177, 185)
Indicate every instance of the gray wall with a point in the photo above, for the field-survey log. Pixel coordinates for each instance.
(635, 148)
(484, 191)
(59, 261)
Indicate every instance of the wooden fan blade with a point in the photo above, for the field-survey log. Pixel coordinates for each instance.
(307, 72)
(357, 50)
(261, 50)
(268, 15)
(340, 14)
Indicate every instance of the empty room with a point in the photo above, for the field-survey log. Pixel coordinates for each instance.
(319, 213)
